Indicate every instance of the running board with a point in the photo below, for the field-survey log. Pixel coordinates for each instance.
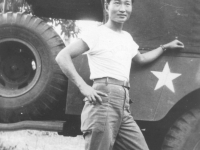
(56, 126)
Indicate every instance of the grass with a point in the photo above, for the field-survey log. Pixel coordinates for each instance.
(39, 140)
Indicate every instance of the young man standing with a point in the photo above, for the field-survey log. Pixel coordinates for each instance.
(106, 121)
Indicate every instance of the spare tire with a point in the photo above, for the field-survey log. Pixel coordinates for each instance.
(31, 82)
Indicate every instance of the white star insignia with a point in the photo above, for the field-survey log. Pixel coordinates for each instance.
(165, 78)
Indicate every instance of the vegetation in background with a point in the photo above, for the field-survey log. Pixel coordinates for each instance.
(68, 27)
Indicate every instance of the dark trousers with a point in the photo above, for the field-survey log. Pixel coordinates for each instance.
(110, 126)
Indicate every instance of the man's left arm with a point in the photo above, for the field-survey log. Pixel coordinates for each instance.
(154, 54)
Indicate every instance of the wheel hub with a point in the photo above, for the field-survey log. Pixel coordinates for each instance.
(15, 69)
(20, 67)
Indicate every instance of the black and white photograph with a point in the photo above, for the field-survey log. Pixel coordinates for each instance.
(99, 75)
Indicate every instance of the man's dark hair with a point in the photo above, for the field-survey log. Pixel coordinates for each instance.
(108, 1)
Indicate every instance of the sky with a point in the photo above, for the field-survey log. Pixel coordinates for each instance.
(87, 25)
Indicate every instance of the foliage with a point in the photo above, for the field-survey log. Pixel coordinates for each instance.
(68, 27)
(2, 147)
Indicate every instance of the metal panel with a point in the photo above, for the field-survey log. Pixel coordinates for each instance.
(189, 81)
(75, 102)
(153, 104)
(143, 82)
(148, 103)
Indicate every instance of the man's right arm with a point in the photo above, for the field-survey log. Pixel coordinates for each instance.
(64, 60)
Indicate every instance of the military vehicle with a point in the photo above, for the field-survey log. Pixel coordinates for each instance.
(35, 94)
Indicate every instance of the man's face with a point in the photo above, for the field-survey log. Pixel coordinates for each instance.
(119, 10)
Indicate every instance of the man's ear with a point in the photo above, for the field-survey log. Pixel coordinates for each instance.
(106, 7)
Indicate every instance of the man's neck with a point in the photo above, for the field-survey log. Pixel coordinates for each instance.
(115, 26)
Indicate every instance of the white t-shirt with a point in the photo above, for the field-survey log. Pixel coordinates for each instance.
(110, 53)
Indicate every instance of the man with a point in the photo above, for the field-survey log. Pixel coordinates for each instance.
(106, 121)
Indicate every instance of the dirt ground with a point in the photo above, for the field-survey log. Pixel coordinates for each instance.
(39, 140)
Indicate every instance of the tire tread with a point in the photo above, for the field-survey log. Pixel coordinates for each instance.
(177, 134)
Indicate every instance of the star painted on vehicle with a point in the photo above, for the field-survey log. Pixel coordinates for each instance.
(165, 78)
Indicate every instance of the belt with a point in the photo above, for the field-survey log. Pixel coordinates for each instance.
(109, 80)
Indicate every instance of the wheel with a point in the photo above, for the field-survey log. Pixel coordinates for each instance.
(31, 82)
(185, 133)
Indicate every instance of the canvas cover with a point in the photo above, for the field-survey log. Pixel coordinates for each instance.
(68, 9)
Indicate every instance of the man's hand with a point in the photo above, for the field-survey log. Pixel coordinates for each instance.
(154, 54)
(91, 94)
(176, 44)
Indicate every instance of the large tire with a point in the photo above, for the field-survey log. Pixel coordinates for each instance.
(31, 82)
(185, 133)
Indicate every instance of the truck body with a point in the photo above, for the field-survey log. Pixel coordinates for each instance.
(151, 25)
